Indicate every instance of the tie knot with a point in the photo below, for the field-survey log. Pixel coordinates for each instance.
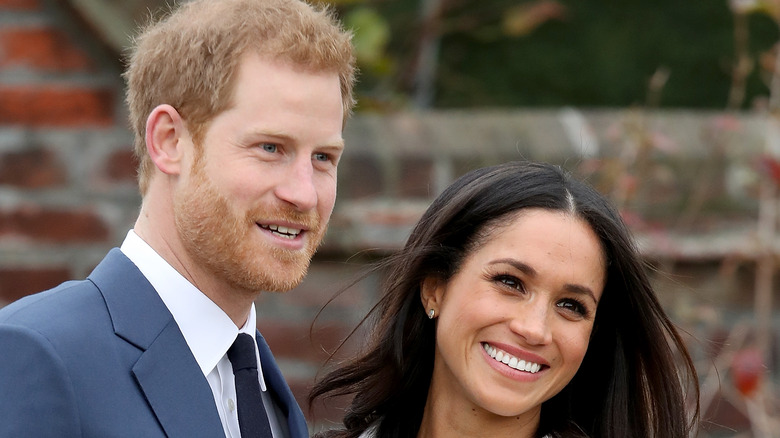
(242, 353)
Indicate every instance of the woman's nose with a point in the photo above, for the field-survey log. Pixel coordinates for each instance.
(532, 322)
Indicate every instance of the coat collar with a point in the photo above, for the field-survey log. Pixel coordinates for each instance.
(166, 371)
(281, 391)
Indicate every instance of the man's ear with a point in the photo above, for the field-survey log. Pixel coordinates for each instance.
(165, 131)
(432, 293)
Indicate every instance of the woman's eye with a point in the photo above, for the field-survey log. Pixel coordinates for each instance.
(510, 281)
(269, 147)
(573, 306)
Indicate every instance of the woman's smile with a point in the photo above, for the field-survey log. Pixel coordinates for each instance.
(515, 319)
(511, 361)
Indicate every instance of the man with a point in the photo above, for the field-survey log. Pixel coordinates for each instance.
(238, 108)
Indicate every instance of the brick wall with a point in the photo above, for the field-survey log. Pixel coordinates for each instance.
(687, 182)
(66, 176)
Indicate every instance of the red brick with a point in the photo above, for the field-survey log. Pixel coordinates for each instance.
(56, 106)
(360, 176)
(323, 281)
(121, 166)
(323, 413)
(293, 341)
(31, 169)
(53, 226)
(416, 178)
(45, 49)
(20, 5)
(722, 416)
(300, 390)
(16, 283)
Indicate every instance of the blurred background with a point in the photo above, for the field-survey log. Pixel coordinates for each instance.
(670, 108)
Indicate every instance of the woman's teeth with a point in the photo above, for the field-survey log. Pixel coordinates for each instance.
(511, 361)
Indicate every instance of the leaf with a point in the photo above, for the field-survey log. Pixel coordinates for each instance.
(768, 7)
(747, 369)
(523, 19)
(371, 35)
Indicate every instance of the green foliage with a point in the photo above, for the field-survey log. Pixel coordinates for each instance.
(371, 35)
(537, 53)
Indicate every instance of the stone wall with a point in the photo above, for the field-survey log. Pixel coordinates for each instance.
(690, 184)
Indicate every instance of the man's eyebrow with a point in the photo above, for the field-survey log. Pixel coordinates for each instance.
(335, 143)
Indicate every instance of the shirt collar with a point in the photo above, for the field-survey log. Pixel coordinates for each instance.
(208, 330)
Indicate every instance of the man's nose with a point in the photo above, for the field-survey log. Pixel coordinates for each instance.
(297, 186)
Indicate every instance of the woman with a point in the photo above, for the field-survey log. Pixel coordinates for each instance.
(518, 307)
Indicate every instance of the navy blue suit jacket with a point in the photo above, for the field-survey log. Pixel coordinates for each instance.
(103, 357)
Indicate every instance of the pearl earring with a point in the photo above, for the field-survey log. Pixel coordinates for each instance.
(431, 313)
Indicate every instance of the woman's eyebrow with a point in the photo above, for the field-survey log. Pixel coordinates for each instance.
(531, 272)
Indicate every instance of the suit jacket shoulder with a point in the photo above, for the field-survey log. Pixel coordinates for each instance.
(101, 357)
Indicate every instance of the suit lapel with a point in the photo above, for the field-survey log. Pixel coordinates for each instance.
(281, 391)
(176, 388)
(166, 370)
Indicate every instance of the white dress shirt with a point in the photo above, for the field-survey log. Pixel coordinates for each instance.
(208, 330)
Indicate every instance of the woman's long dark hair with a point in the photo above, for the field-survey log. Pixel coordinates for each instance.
(635, 374)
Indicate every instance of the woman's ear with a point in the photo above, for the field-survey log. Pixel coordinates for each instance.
(165, 131)
(431, 294)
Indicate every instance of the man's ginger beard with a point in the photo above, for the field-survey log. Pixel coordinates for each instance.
(226, 242)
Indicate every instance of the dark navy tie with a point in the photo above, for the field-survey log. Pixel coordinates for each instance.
(252, 420)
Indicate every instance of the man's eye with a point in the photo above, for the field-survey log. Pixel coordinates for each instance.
(269, 147)
(322, 157)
